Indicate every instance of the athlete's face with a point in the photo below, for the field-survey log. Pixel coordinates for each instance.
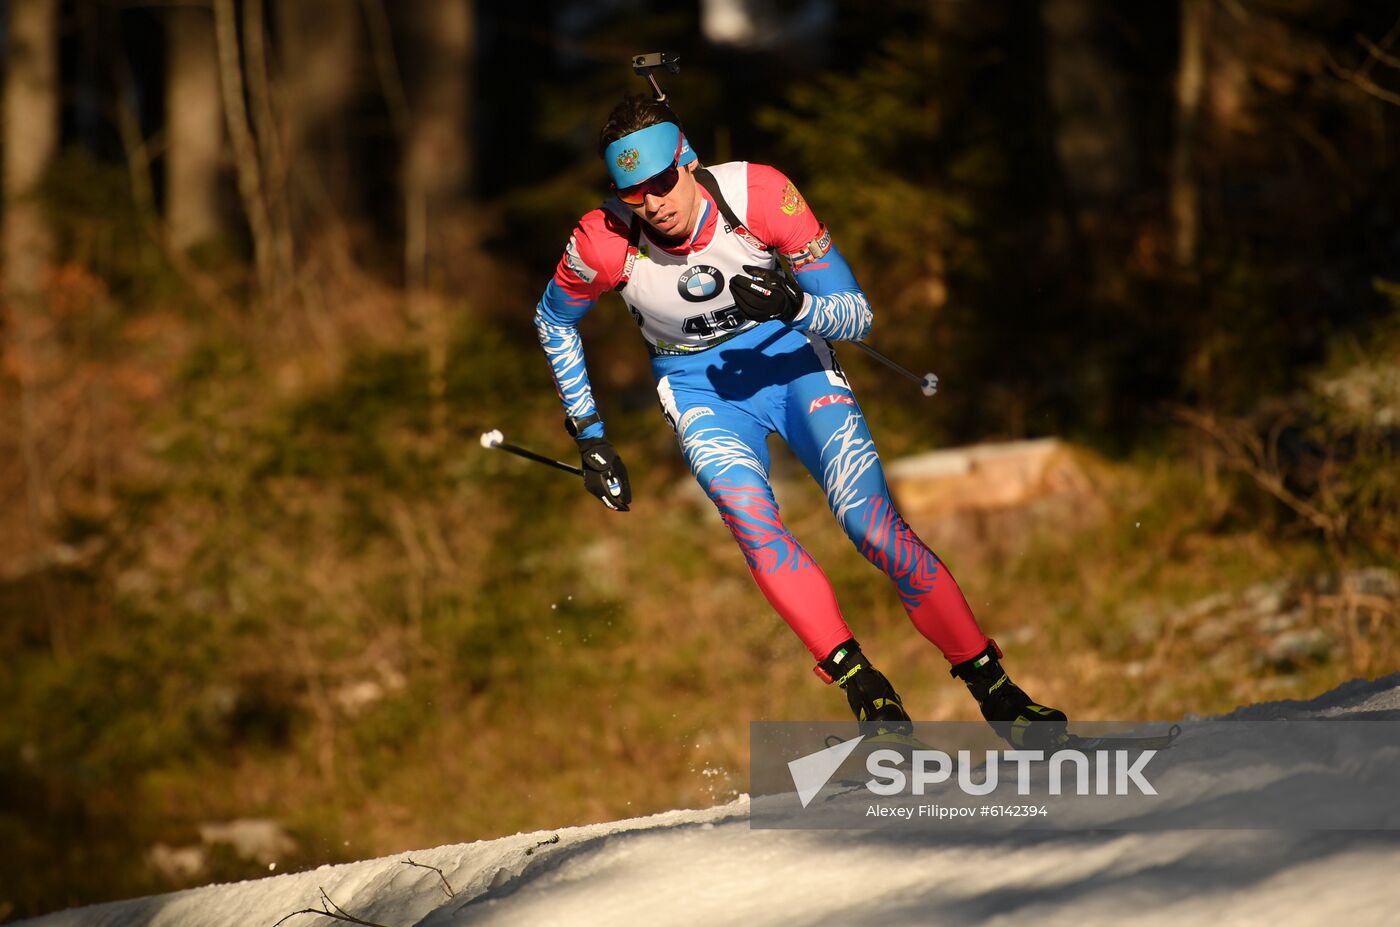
(674, 213)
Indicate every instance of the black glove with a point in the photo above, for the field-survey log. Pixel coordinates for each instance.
(604, 474)
(767, 294)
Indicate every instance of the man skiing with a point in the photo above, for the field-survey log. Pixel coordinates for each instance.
(738, 291)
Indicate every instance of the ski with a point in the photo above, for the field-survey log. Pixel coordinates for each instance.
(886, 739)
(1067, 741)
(1122, 742)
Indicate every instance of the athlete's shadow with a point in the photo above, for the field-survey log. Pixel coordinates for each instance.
(744, 372)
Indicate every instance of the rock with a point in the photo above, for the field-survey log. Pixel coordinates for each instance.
(1370, 393)
(993, 499)
(1209, 605)
(1266, 599)
(1296, 648)
(178, 864)
(1376, 581)
(1276, 624)
(984, 476)
(1373, 581)
(1216, 630)
(259, 840)
(356, 696)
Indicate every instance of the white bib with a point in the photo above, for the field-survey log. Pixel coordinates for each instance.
(681, 301)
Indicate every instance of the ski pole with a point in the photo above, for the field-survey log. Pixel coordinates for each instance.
(928, 383)
(497, 440)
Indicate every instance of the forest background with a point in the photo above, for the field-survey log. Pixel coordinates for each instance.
(269, 270)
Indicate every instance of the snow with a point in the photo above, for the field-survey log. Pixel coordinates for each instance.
(708, 866)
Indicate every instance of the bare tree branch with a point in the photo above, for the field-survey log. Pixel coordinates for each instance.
(1378, 53)
(338, 914)
(548, 841)
(138, 160)
(1259, 462)
(1365, 84)
(445, 885)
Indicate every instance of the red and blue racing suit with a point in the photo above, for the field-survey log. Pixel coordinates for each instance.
(726, 383)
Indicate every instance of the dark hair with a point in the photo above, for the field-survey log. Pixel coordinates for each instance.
(633, 113)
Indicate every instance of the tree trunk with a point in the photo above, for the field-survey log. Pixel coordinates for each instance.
(437, 171)
(31, 138)
(438, 158)
(194, 129)
(1092, 118)
(250, 182)
(1190, 89)
(321, 56)
(1092, 110)
(31, 141)
(255, 66)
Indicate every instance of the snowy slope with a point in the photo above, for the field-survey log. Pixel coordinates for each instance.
(693, 867)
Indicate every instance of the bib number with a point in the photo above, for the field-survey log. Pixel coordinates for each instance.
(713, 323)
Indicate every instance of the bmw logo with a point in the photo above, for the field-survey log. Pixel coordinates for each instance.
(700, 283)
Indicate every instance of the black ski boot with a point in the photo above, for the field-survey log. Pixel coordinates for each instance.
(873, 700)
(1010, 711)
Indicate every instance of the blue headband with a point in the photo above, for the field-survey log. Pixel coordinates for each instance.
(645, 153)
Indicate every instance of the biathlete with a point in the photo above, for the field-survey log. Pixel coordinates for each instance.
(738, 291)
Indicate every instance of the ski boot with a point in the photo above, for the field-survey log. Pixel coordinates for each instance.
(1010, 711)
(874, 702)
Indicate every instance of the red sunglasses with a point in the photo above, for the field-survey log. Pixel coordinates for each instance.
(659, 185)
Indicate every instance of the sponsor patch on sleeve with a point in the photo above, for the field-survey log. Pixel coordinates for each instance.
(575, 262)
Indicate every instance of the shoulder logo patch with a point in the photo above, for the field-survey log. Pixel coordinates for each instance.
(792, 203)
